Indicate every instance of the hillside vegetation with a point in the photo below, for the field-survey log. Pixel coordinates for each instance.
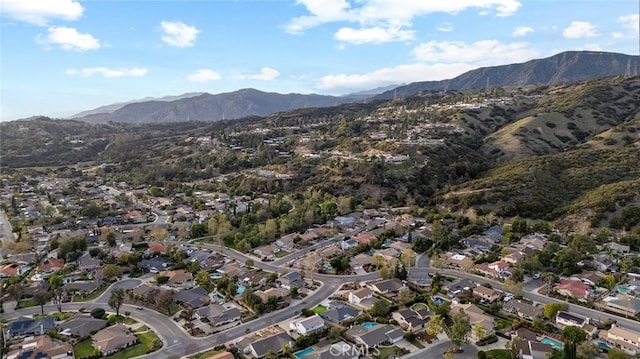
(566, 153)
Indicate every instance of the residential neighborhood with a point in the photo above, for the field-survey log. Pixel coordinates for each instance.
(370, 280)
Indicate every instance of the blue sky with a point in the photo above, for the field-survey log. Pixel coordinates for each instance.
(59, 57)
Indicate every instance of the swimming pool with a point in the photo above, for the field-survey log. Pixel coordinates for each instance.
(369, 325)
(554, 343)
(241, 289)
(302, 353)
(622, 289)
(218, 297)
(604, 346)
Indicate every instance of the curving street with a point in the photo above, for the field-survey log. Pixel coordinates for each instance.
(179, 343)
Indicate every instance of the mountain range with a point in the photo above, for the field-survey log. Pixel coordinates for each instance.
(566, 67)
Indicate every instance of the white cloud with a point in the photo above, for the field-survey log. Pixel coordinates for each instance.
(39, 12)
(373, 35)
(446, 27)
(617, 35)
(107, 72)
(204, 75)
(591, 47)
(178, 34)
(579, 30)
(70, 39)
(265, 74)
(391, 16)
(391, 75)
(485, 52)
(631, 23)
(521, 31)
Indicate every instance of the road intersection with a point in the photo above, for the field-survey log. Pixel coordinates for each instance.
(179, 343)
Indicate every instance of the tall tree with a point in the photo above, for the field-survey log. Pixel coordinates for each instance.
(41, 298)
(56, 282)
(572, 337)
(459, 329)
(116, 299)
(435, 325)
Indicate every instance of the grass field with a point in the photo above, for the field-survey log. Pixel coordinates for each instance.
(498, 354)
(143, 347)
(385, 353)
(319, 309)
(84, 349)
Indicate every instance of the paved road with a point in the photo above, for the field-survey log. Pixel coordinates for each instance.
(543, 299)
(179, 343)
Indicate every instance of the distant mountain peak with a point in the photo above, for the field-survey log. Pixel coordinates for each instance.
(565, 67)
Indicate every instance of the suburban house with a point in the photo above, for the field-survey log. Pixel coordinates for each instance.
(267, 252)
(488, 294)
(360, 261)
(420, 277)
(253, 279)
(457, 261)
(527, 346)
(622, 338)
(218, 315)
(176, 277)
(356, 297)
(385, 286)
(307, 325)
(274, 343)
(573, 287)
(372, 337)
(290, 280)
(617, 248)
(272, 292)
(339, 312)
(590, 278)
(24, 326)
(622, 304)
(50, 265)
(195, 298)
(80, 326)
(154, 265)
(113, 339)
(411, 320)
(522, 309)
(565, 319)
(348, 244)
(365, 238)
(477, 317)
(88, 263)
(41, 346)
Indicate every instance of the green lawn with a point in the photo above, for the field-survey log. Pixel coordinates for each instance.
(84, 349)
(281, 254)
(502, 323)
(319, 309)
(385, 353)
(26, 303)
(91, 296)
(498, 354)
(419, 306)
(143, 347)
(143, 328)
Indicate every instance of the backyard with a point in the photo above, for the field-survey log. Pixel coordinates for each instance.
(319, 309)
(146, 342)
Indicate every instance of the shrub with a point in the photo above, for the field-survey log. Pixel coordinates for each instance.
(488, 340)
(97, 313)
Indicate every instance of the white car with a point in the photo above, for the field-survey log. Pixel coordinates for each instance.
(536, 276)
